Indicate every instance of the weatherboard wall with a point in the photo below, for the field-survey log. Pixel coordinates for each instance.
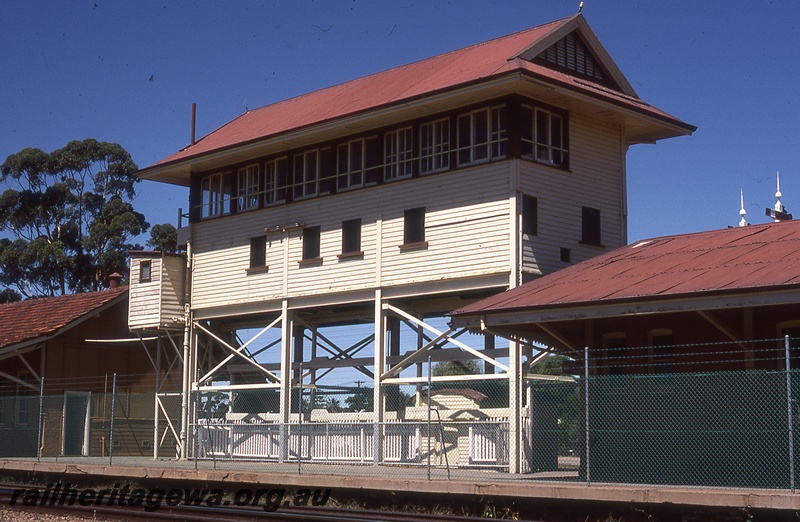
(595, 179)
(466, 229)
(156, 303)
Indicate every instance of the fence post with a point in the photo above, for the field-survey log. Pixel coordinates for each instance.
(41, 418)
(111, 427)
(586, 410)
(429, 417)
(196, 417)
(300, 422)
(789, 412)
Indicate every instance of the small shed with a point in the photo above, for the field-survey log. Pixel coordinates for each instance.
(157, 290)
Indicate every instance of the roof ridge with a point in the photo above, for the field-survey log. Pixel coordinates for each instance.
(384, 71)
(67, 297)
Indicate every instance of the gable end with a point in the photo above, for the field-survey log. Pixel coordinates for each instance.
(571, 55)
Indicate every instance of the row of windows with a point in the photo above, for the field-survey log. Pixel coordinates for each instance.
(413, 236)
(480, 135)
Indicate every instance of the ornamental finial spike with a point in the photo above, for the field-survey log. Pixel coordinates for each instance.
(742, 211)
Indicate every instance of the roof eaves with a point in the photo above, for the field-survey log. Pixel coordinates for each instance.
(500, 74)
(618, 307)
(636, 105)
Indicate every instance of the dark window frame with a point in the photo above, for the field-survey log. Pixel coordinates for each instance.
(591, 227)
(351, 239)
(258, 255)
(414, 229)
(312, 239)
(146, 275)
(530, 215)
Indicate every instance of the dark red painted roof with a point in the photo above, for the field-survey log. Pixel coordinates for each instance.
(479, 62)
(734, 259)
(35, 318)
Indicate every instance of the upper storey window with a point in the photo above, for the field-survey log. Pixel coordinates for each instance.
(248, 187)
(276, 181)
(351, 162)
(544, 136)
(398, 154)
(434, 146)
(216, 194)
(312, 173)
(482, 135)
(358, 163)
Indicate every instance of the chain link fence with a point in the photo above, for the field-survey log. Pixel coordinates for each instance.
(723, 415)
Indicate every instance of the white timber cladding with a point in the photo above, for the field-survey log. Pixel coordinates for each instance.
(173, 290)
(596, 170)
(144, 310)
(466, 230)
(154, 303)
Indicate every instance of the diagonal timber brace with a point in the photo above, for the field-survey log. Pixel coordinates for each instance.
(236, 351)
(447, 335)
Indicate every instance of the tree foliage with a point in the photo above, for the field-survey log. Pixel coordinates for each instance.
(67, 217)
(163, 238)
(465, 367)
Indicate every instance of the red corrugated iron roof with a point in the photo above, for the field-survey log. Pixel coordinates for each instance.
(478, 62)
(734, 259)
(40, 318)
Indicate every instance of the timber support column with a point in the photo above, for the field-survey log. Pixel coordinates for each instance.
(287, 325)
(379, 367)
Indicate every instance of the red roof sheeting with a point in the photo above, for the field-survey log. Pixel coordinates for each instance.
(735, 259)
(440, 73)
(35, 318)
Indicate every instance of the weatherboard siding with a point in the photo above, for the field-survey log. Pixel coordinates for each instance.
(594, 180)
(173, 290)
(466, 227)
(145, 298)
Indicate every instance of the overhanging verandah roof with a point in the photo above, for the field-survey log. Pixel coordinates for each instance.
(729, 268)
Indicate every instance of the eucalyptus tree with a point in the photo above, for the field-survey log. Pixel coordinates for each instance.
(66, 217)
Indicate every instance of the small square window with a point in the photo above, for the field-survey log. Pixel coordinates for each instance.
(311, 243)
(566, 255)
(530, 215)
(145, 271)
(414, 226)
(590, 226)
(351, 236)
(258, 252)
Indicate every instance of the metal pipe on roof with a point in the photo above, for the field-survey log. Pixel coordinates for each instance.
(194, 121)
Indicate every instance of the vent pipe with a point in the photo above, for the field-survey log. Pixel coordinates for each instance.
(194, 121)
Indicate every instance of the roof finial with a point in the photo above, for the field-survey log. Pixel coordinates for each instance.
(742, 212)
(779, 213)
(580, 7)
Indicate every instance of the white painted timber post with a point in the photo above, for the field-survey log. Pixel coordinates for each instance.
(187, 348)
(379, 367)
(515, 447)
(287, 329)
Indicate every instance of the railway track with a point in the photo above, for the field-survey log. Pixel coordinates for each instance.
(36, 500)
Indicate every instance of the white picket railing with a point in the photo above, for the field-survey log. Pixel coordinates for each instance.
(403, 442)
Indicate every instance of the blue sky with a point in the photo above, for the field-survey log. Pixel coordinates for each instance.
(128, 72)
